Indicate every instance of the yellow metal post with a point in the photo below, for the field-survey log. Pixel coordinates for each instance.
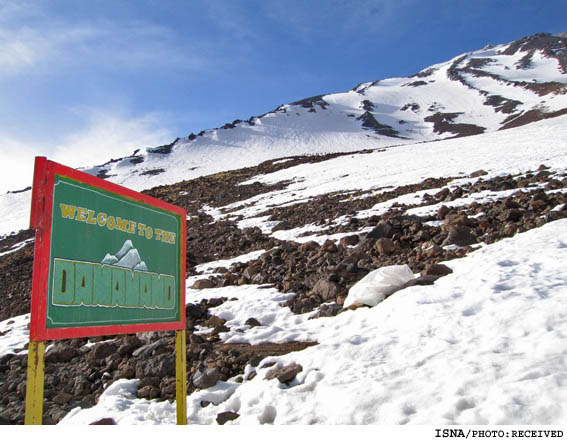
(34, 386)
(181, 377)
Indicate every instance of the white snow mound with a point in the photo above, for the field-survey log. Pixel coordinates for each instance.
(378, 284)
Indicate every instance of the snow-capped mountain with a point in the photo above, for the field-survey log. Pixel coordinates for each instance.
(482, 91)
(491, 89)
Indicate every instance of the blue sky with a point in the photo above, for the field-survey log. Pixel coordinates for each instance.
(85, 81)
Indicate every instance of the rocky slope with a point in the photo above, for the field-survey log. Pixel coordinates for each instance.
(320, 274)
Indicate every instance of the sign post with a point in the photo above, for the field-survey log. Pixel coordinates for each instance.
(107, 261)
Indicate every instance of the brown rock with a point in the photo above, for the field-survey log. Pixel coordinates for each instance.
(442, 195)
(104, 349)
(251, 271)
(62, 398)
(478, 173)
(103, 422)
(308, 246)
(329, 247)
(349, 240)
(460, 235)
(326, 289)
(510, 229)
(252, 322)
(285, 374)
(436, 269)
(224, 417)
(148, 392)
(384, 245)
(203, 284)
(443, 211)
(511, 215)
(214, 321)
(60, 353)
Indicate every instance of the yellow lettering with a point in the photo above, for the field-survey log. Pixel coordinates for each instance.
(91, 219)
(158, 234)
(68, 211)
(81, 214)
(121, 224)
(101, 219)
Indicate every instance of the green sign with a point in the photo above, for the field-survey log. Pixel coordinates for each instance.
(113, 260)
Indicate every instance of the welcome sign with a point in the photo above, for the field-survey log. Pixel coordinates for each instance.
(108, 260)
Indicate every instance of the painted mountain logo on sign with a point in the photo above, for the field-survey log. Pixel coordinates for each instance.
(127, 257)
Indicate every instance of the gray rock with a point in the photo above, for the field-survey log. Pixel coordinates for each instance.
(326, 289)
(383, 229)
(148, 350)
(205, 377)
(160, 366)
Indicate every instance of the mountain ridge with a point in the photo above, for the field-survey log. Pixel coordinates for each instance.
(494, 88)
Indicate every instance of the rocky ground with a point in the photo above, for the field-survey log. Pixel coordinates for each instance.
(77, 371)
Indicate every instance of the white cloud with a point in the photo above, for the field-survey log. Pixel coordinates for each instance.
(103, 137)
(16, 167)
(58, 46)
(21, 50)
(108, 136)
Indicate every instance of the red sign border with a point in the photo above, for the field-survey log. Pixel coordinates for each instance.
(41, 220)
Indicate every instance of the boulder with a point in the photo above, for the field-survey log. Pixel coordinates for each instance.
(285, 374)
(160, 366)
(436, 269)
(385, 246)
(252, 322)
(203, 284)
(103, 422)
(383, 229)
(351, 240)
(224, 417)
(204, 378)
(459, 235)
(326, 289)
(60, 353)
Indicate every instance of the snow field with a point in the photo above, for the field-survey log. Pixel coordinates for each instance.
(513, 151)
(486, 344)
